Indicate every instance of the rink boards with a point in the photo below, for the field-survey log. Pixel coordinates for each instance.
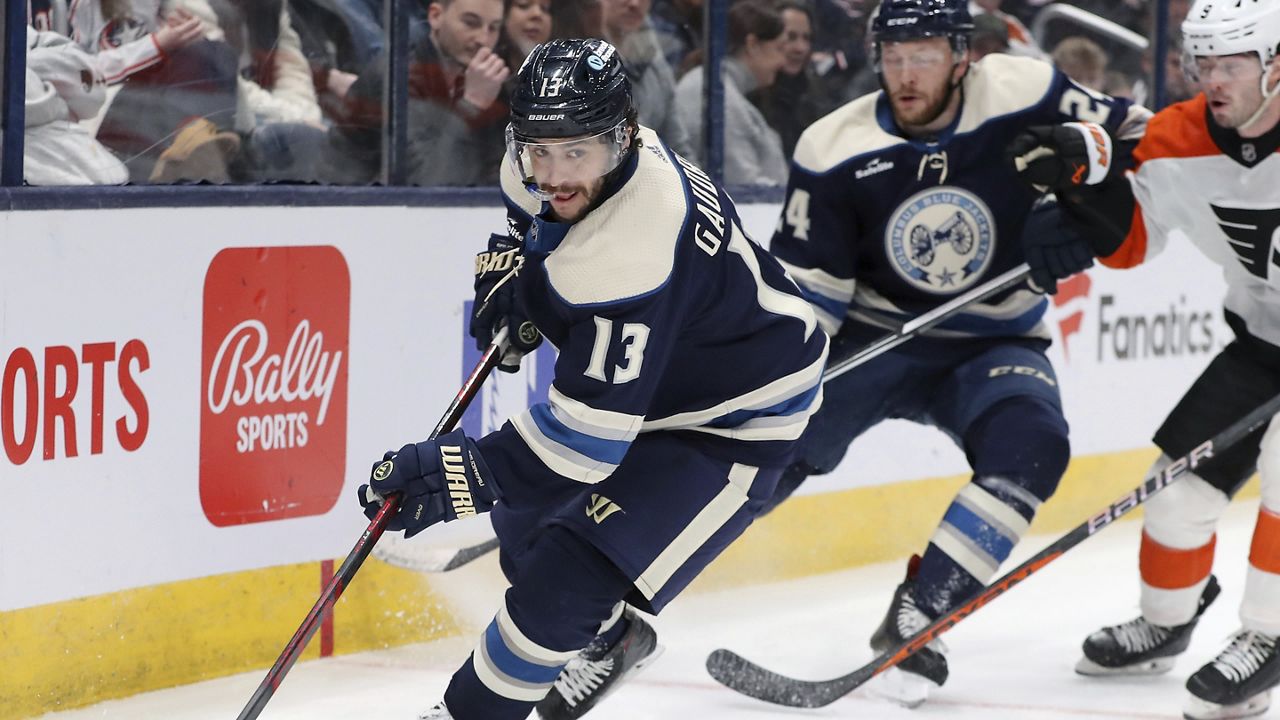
(189, 397)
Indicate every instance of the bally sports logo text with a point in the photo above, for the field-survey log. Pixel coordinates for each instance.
(273, 396)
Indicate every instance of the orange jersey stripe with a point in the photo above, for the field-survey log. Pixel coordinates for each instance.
(1134, 248)
(1178, 131)
(1169, 569)
(1265, 553)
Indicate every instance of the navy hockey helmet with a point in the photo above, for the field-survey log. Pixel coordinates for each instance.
(903, 20)
(570, 111)
(569, 88)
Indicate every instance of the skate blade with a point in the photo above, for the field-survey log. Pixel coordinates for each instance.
(906, 689)
(644, 663)
(1197, 709)
(1158, 666)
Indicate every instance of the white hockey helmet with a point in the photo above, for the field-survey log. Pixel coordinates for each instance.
(1233, 27)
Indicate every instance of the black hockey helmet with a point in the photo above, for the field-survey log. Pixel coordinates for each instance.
(902, 20)
(570, 111)
(569, 88)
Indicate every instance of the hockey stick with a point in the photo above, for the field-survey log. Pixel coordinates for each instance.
(924, 321)
(434, 561)
(744, 676)
(444, 560)
(333, 590)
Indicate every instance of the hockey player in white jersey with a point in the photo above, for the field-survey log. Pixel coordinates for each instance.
(1207, 169)
(688, 365)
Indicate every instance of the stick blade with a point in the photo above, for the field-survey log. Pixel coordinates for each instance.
(431, 560)
(741, 675)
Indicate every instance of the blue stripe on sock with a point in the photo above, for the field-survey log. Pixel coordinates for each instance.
(982, 533)
(514, 666)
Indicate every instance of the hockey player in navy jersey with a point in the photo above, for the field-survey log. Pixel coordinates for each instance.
(1208, 170)
(688, 365)
(897, 202)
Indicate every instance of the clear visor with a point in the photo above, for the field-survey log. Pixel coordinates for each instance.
(896, 57)
(1202, 69)
(565, 165)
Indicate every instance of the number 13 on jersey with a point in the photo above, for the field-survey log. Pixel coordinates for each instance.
(633, 339)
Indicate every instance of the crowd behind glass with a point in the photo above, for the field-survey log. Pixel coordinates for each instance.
(252, 91)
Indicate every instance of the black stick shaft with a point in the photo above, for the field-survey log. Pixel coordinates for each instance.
(746, 677)
(347, 571)
(923, 322)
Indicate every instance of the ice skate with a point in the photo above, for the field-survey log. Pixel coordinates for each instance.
(1237, 683)
(439, 712)
(910, 682)
(1139, 647)
(598, 670)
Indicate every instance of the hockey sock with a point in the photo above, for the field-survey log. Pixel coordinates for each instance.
(1019, 450)
(1260, 610)
(563, 592)
(977, 533)
(1178, 544)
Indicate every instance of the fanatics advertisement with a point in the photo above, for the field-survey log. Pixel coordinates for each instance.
(188, 392)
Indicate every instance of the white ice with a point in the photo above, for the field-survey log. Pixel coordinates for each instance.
(1011, 659)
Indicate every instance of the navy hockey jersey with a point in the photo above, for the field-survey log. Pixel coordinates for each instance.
(667, 317)
(878, 227)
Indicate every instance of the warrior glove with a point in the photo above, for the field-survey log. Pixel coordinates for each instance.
(439, 480)
(498, 305)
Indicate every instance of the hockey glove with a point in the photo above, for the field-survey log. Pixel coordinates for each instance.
(497, 304)
(1053, 157)
(1053, 247)
(439, 480)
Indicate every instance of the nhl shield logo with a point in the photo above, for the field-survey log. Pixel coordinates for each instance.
(940, 239)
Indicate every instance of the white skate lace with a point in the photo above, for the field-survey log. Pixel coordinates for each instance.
(1138, 635)
(581, 677)
(1245, 655)
(910, 619)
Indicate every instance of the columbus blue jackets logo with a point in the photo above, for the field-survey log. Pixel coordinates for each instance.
(940, 240)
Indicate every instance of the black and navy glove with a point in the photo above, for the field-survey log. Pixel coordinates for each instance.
(439, 480)
(1053, 246)
(1058, 157)
(497, 303)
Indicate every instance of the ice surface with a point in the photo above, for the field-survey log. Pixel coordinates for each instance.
(1012, 659)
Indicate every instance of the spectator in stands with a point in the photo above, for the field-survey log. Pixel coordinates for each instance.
(64, 86)
(752, 150)
(277, 114)
(1020, 40)
(990, 35)
(527, 24)
(456, 114)
(1118, 85)
(653, 85)
(795, 99)
(1083, 60)
(341, 37)
(576, 19)
(678, 24)
(173, 80)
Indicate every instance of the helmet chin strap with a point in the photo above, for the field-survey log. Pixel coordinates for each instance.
(1268, 96)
